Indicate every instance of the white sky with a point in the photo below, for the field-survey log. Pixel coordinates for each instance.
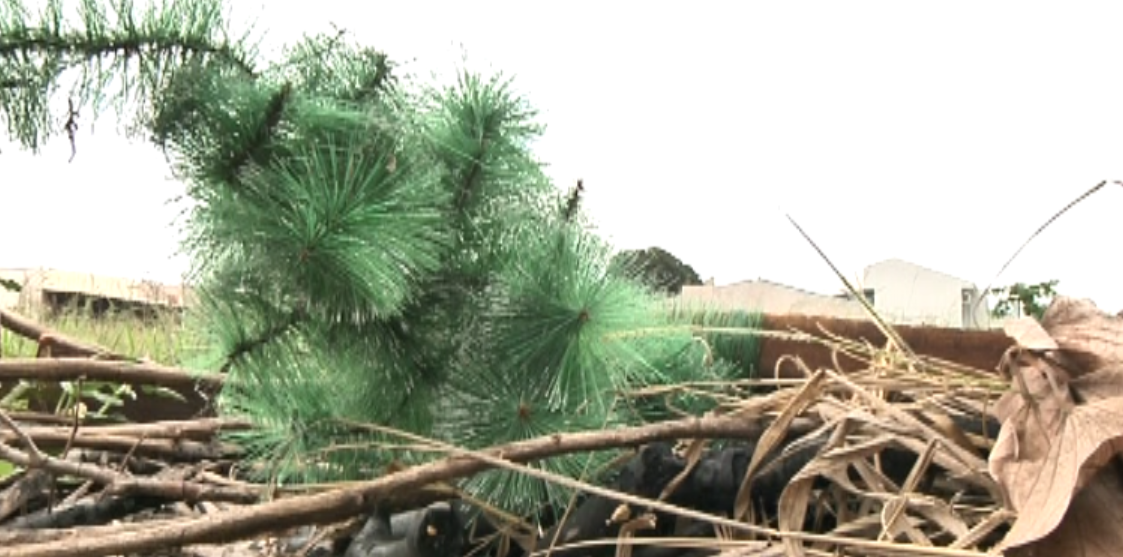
(942, 133)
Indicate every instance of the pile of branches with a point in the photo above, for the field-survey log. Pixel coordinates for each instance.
(910, 456)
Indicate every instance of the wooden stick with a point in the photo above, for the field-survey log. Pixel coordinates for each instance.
(72, 369)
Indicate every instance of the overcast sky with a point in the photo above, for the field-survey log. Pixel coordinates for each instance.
(942, 133)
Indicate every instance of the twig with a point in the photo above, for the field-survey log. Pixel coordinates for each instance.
(165, 448)
(39, 417)
(171, 429)
(120, 484)
(77, 421)
(32, 484)
(36, 458)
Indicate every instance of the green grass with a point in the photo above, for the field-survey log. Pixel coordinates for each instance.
(161, 339)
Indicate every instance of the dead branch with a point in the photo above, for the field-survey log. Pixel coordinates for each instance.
(168, 449)
(202, 428)
(41, 418)
(33, 484)
(71, 369)
(120, 484)
(16, 537)
(335, 506)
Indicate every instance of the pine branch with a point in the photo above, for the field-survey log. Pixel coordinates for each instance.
(248, 346)
(80, 48)
(254, 150)
(136, 52)
(573, 202)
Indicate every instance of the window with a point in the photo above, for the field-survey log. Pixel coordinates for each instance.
(968, 295)
(868, 294)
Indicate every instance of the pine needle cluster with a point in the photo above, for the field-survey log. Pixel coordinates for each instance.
(366, 250)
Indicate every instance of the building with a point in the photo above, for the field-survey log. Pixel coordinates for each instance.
(49, 290)
(902, 293)
(909, 294)
(770, 297)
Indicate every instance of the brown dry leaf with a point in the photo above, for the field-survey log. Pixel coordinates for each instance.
(831, 463)
(895, 524)
(645, 521)
(1050, 449)
(693, 456)
(933, 509)
(808, 394)
(1089, 339)
(1029, 334)
(1091, 528)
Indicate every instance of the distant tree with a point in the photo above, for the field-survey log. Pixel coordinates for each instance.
(1024, 299)
(658, 268)
(10, 285)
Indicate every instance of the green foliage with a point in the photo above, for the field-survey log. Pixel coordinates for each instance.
(118, 55)
(658, 268)
(1024, 299)
(372, 251)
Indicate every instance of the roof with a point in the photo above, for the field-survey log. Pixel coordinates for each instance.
(771, 297)
(898, 260)
(770, 283)
(90, 284)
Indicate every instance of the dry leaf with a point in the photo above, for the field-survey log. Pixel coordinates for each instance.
(1089, 339)
(1091, 528)
(895, 524)
(831, 463)
(646, 521)
(1028, 333)
(808, 394)
(1050, 449)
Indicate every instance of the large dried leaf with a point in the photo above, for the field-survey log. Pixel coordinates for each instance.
(1028, 333)
(1092, 527)
(1056, 435)
(1089, 339)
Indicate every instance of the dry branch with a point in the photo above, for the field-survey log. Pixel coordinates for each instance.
(169, 449)
(120, 484)
(172, 429)
(337, 505)
(72, 369)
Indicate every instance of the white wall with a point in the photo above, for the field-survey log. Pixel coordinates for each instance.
(771, 298)
(909, 294)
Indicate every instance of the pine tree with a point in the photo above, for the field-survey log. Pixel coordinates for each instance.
(366, 249)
